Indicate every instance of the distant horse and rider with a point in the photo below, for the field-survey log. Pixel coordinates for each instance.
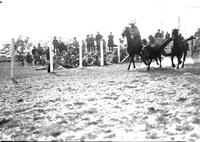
(180, 48)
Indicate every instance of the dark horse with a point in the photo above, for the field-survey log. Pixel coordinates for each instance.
(179, 48)
(150, 52)
(134, 47)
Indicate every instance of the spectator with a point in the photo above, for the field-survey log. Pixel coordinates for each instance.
(158, 35)
(21, 58)
(40, 49)
(36, 58)
(83, 47)
(88, 43)
(110, 42)
(34, 50)
(75, 43)
(167, 35)
(104, 44)
(55, 44)
(29, 59)
(76, 46)
(92, 43)
(98, 39)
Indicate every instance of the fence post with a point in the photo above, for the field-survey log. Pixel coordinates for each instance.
(80, 55)
(101, 52)
(12, 58)
(118, 52)
(192, 47)
(51, 57)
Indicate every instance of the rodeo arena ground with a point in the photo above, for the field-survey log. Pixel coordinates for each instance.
(69, 93)
(99, 90)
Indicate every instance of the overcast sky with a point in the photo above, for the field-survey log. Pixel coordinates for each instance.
(42, 19)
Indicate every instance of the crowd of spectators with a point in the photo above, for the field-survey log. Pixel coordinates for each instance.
(67, 53)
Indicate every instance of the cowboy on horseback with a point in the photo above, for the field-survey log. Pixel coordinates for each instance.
(152, 41)
(134, 32)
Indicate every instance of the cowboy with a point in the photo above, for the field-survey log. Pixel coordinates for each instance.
(152, 41)
(135, 34)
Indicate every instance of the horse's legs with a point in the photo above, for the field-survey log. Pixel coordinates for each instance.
(149, 63)
(184, 56)
(133, 61)
(179, 61)
(130, 62)
(160, 59)
(172, 59)
(156, 60)
(143, 59)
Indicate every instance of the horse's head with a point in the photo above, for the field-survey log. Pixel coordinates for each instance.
(175, 32)
(125, 32)
(146, 51)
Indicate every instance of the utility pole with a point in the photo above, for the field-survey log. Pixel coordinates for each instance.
(179, 23)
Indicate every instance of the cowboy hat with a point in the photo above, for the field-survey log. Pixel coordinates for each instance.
(132, 22)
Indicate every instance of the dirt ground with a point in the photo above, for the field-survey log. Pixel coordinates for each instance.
(101, 103)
